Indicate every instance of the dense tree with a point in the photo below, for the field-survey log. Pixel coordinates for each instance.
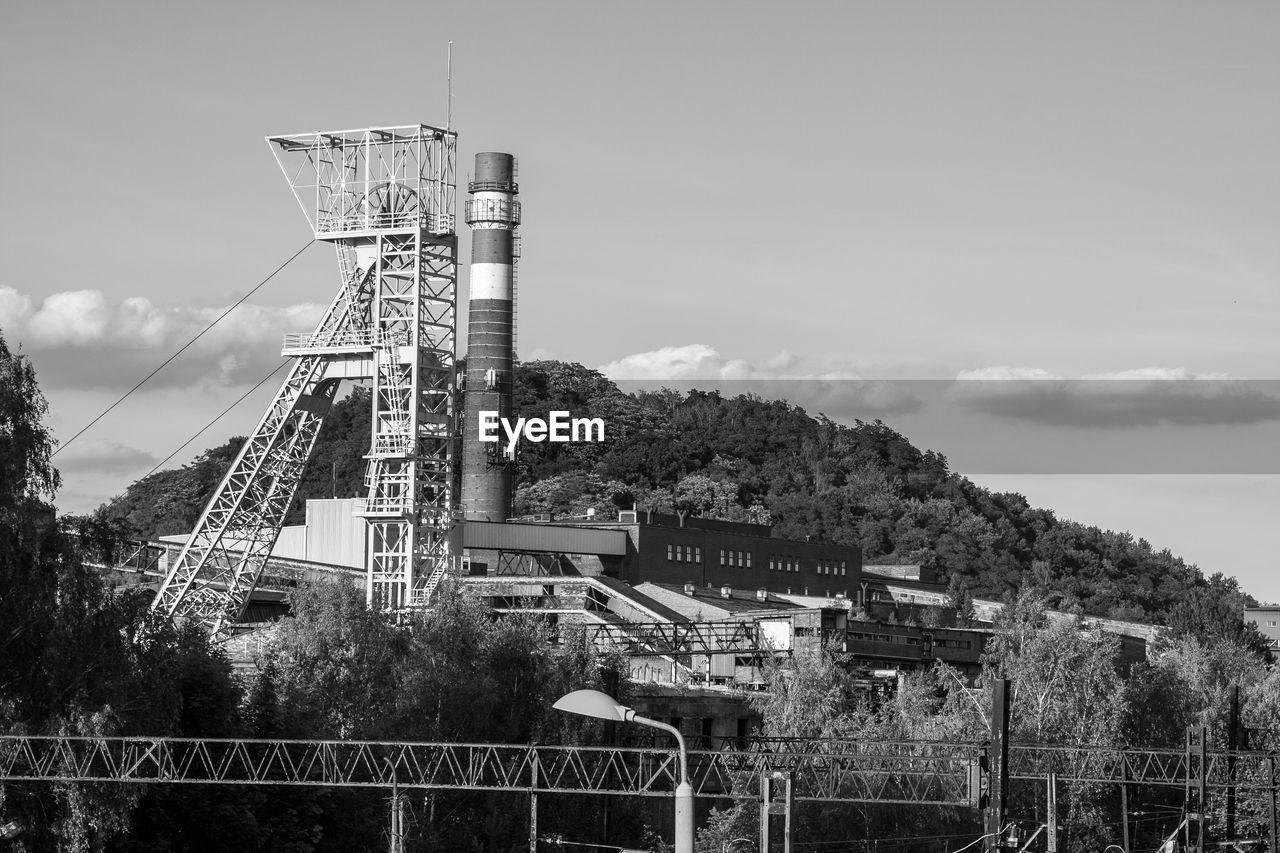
(1066, 683)
(169, 502)
(454, 673)
(76, 658)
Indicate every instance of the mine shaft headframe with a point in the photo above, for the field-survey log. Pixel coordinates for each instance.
(354, 182)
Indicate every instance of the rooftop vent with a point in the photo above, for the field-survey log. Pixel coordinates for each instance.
(626, 516)
(689, 589)
(762, 595)
(726, 592)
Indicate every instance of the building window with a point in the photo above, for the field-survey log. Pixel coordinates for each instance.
(671, 553)
(1271, 623)
(722, 556)
(697, 553)
(748, 559)
(842, 567)
(773, 563)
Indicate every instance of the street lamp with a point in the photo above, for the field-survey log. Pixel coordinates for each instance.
(593, 703)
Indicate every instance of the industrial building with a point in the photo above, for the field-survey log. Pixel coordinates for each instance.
(1266, 618)
(703, 608)
(634, 579)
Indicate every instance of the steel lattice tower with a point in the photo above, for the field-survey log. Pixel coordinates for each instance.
(384, 197)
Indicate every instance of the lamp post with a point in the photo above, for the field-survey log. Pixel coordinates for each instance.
(593, 703)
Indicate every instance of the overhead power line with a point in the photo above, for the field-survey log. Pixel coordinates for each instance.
(180, 351)
(202, 429)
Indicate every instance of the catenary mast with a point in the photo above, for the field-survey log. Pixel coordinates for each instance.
(384, 197)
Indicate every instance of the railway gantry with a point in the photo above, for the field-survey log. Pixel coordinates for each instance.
(920, 772)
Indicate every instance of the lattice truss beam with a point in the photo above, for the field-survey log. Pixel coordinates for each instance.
(684, 638)
(384, 197)
(919, 772)
(1157, 767)
(936, 774)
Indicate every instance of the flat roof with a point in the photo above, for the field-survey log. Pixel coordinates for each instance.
(739, 601)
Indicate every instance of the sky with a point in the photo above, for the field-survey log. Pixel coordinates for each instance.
(716, 191)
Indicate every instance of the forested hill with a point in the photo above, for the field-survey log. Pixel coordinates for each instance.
(732, 457)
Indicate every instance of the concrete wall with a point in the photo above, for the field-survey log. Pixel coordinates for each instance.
(707, 718)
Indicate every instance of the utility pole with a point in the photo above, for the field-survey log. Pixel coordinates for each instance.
(1271, 785)
(533, 804)
(776, 798)
(1051, 816)
(1195, 794)
(397, 819)
(1124, 798)
(1233, 744)
(997, 807)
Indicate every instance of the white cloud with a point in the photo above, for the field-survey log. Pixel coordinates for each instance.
(1157, 374)
(15, 307)
(820, 385)
(1005, 373)
(701, 361)
(1153, 374)
(81, 339)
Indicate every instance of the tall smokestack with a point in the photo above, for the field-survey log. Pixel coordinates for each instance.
(493, 212)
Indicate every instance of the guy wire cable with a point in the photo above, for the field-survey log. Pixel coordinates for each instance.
(183, 348)
(241, 399)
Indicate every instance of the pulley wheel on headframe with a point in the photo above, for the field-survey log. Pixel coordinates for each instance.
(392, 204)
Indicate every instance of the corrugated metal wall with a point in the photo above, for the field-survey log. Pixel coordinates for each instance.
(545, 538)
(292, 543)
(334, 534)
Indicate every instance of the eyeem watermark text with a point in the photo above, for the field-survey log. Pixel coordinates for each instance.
(557, 427)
